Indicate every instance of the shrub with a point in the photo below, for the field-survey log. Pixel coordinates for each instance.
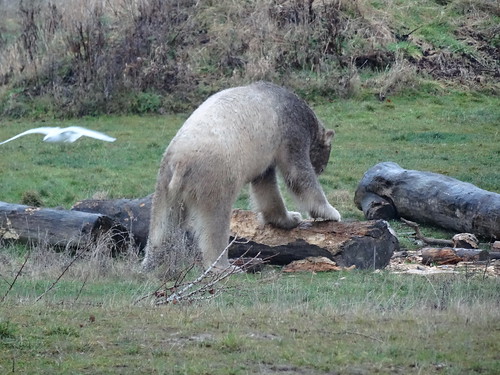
(32, 198)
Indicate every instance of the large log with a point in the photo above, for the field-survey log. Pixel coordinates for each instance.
(58, 228)
(388, 191)
(364, 244)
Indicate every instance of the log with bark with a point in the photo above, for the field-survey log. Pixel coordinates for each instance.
(133, 214)
(448, 255)
(58, 228)
(364, 244)
(388, 191)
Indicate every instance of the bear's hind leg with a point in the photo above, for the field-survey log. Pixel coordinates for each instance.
(211, 226)
(166, 231)
(268, 201)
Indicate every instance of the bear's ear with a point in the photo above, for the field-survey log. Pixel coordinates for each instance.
(329, 134)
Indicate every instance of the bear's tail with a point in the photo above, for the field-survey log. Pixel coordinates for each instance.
(168, 214)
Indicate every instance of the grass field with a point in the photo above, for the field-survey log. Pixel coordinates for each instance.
(270, 323)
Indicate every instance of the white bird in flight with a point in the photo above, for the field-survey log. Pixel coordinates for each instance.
(69, 134)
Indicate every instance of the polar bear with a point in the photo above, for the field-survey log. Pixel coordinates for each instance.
(237, 136)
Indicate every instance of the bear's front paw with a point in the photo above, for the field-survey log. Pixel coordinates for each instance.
(326, 213)
(292, 220)
(287, 220)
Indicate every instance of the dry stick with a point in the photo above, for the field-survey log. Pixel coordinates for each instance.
(361, 334)
(201, 285)
(427, 240)
(486, 267)
(177, 296)
(17, 275)
(204, 287)
(177, 283)
(60, 276)
(207, 287)
(83, 285)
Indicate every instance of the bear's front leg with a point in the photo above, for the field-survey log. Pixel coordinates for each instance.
(269, 203)
(303, 183)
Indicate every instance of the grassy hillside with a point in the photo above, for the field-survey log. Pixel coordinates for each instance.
(73, 58)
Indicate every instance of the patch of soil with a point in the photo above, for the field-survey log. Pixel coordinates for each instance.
(465, 66)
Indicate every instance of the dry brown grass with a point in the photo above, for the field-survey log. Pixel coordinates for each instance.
(95, 56)
(154, 56)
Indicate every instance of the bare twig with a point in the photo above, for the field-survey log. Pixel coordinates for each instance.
(81, 288)
(202, 284)
(427, 240)
(17, 275)
(205, 286)
(59, 278)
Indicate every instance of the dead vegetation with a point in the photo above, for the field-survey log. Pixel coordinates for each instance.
(152, 56)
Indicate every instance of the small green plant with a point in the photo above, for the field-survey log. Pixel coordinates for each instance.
(406, 48)
(146, 102)
(32, 198)
(62, 331)
(7, 330)
(231, 343)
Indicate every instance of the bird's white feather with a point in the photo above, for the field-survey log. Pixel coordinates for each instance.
(69, 134)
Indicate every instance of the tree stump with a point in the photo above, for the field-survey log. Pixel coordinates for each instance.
(58, 228)
(388, 191)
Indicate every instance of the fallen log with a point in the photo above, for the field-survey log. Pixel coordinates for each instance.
(132, 214)
(427, 197)
(447, 255)
(58, 228)
(364, 244)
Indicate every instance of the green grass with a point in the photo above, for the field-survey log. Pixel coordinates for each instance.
(342, 323)
(61, 174)
(347, 322)
(456, 134)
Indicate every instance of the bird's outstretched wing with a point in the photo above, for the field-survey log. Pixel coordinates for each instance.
(90, 133)
(45, 130)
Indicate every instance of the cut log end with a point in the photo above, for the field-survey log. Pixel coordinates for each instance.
(375, 207)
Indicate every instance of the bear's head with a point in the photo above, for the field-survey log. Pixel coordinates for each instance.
(320, 150)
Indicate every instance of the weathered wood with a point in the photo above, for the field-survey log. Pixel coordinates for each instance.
(133, 214)
(447, 255)
(375, 207)
(60, 228)
(460, 240)
(366, 245)
(428, 197)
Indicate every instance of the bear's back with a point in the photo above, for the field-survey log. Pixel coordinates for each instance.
(234, 124)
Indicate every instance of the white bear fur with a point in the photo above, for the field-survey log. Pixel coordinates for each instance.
(238, 136)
